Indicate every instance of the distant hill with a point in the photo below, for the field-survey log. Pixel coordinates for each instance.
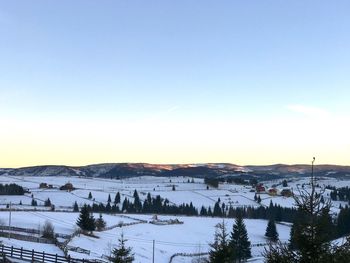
(121, 170)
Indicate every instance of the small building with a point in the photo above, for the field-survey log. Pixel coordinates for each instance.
(260, 188)
(272, 191)
(67, 187)
(286, 193)
(43, 185)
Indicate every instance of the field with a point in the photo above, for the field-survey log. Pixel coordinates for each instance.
(192, 236)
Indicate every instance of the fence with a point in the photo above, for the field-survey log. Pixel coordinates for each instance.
(187, 255)
(27, 238)
(35, 256)
(30, 231)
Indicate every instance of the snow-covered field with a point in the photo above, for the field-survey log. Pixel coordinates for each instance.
(193, 236)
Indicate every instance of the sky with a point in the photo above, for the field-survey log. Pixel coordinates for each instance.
(244, 82)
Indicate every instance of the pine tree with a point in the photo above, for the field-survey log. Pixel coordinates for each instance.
(219, 252)
(217, 209)
(343, 226)
(137, 202)
(108, 208)
(75, 207)
(34, 202)
(117, 198)
(90, 195)
(109, 199)
(125, 206)
(86, 220)
(271, 231)
(203, 211)
(310, 236)
(100, 223)
(47, 202)
(122, 254)
(259, 199)
(239, 243)
(284, 183)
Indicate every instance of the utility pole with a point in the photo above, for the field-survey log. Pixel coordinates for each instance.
(10, 221)
(199, 251)
(153, 251)
(312, 170)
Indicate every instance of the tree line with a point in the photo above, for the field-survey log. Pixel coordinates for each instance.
(339, 194)
(11, 189)
(340, 225)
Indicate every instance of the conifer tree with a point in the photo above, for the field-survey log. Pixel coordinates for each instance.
(117, 198)
(219, 252)
(75, 207)
(310, 236)
(47, 202)
(108, 208)
(122, 254)
(90, 195)
(137, 202)
(86, 220)
(109, 199)
(217, 209)
(259, 199)
(203, 211)
(271, 231)
(239, 243)
(100, 223)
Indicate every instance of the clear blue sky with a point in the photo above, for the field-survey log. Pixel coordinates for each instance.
(128, 64)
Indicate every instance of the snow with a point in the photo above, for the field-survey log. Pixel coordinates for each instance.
(193, 236)
(47, 248)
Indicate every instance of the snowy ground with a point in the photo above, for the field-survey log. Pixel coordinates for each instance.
(191, 237)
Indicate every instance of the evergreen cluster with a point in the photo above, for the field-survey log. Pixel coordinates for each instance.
(213, 182)
(340, 194)
(235, 248)
(311, 234)
(274, 211)
(11, 189)
(149, 205)
(343, 222)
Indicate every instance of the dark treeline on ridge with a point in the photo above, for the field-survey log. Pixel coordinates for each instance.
(11, 189)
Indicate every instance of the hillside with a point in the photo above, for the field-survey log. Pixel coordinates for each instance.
(120, 170)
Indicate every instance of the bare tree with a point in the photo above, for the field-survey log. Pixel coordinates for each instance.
(48, 230)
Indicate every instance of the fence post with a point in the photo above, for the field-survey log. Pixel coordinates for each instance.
(56, 259)
(21, 252)
(11, 251)
(68, 258)
(32, 255)
(43, 256)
